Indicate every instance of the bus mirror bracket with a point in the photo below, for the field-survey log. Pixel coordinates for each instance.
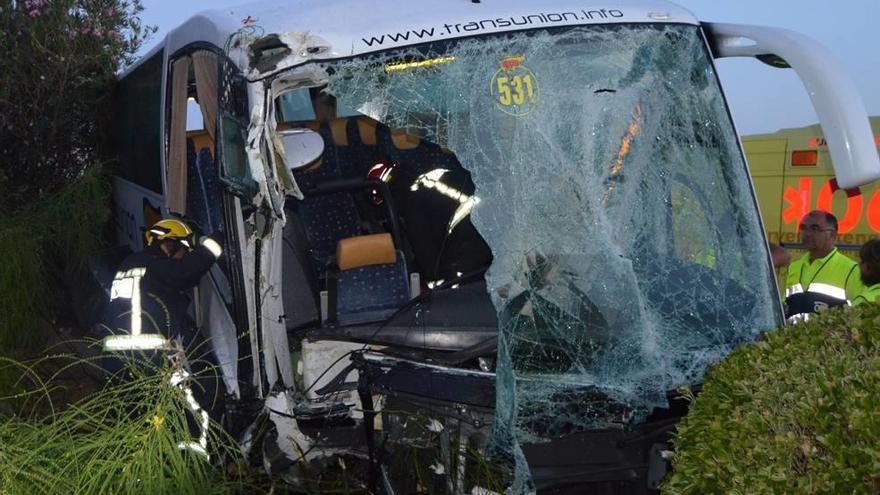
(834, 95)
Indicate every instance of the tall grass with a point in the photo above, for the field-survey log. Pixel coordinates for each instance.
(122, 440)
(41, 246)
(23, 291)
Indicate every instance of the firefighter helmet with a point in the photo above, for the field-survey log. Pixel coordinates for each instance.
(380, 171)
(170, 228)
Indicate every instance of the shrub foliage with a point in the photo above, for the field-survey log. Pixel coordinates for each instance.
(798, 412)
(59, 62)
(44, 248)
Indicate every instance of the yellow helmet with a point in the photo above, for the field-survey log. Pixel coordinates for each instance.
(170, 228)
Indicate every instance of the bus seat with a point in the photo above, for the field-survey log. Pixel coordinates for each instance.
(201, 139)
(365, 250)
(339, 132)
(348, 154)
(355, 141)
(403, 140)
(327, 218)
(372, 282)
(349, 147)
(329, 169)
(366, 129)
(409, 150)
(361, 136)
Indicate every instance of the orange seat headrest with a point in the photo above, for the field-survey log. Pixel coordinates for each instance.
(365, 250)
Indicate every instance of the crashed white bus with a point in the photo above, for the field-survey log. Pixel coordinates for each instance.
(468, 223)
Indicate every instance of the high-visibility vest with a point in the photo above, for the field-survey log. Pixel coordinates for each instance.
(869, 295)
(832, 280)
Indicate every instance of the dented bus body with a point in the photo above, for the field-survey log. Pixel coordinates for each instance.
(469, 226)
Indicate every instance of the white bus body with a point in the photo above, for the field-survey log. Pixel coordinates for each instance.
(357, 157)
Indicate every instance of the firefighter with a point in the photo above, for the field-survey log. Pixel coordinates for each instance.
(822, 277)
(147, 314)
(154, 281)
(869, 267)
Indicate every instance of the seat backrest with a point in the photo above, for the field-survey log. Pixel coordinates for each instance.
(327, 218)
(373, 281)
(365, 250)
(406, 149)
(361, 136)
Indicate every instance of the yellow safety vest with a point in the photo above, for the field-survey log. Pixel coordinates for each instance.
(869, 295)
(833, 278)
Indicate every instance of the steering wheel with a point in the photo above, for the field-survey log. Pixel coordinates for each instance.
(545, 338)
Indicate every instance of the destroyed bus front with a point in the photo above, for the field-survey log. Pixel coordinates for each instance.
(566, 209)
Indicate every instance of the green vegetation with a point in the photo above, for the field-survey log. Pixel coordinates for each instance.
(44, 250)
(56, 85)
(798, 412)
(59, 64)
(123, 439)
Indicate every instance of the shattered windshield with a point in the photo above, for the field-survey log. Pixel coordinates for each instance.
(600, 167)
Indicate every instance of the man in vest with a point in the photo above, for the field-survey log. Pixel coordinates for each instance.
(823, 277)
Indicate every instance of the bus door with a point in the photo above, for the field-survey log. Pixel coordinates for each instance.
(201, 154)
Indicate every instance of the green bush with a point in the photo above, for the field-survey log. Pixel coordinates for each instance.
(798, 412)
(41, 248)
(59, 64)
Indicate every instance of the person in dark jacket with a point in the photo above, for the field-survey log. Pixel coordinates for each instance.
(154, 282)
(148, 310)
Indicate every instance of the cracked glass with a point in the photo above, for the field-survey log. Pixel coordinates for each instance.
(626, 246)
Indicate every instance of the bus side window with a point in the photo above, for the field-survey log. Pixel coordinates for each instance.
(138, 141)
(137, 137)
(203, 188)
(193, 188)
(193, 101)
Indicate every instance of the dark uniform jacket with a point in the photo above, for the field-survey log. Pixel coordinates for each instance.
(158, 283)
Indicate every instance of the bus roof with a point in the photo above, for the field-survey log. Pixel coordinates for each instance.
(345, 28)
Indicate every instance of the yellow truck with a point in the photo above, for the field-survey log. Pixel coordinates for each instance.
(793, 174)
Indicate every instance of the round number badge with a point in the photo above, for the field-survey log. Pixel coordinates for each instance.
(514, 87)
